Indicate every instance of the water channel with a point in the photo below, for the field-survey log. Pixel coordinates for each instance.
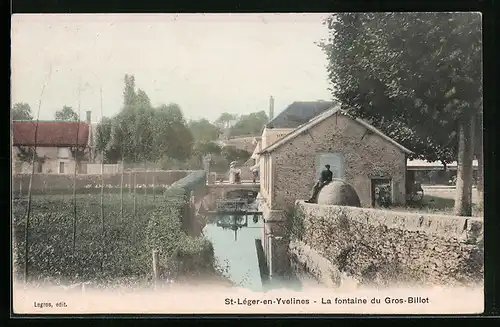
(236, 252)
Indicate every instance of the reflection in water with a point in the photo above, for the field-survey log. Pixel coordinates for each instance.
(233, 238)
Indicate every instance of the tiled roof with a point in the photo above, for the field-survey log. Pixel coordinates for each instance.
(299, 113)
(50, 133)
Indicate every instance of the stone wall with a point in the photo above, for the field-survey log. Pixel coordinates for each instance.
(375, 247)
(61, 183)
(366, 156)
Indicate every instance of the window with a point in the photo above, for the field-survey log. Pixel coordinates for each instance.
(39, 167)
(61, 167)
(336, 162)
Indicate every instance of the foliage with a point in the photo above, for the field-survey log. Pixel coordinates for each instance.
(232, 153)
(417, 77)
(170, 125)
(51, 234)
(129, 240)
(203, 130)
(25, 154)
(251, 124)
(226, 120)
(413, 75)
(21, 111)
(67, 114)
(140, 132)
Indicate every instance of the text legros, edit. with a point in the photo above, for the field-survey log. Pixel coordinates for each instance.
(250, 302)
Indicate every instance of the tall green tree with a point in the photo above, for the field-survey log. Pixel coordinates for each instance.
(66, 114)
(203, 130)
(226, 120)
(251, 124)
(173, 136)
(417, 77)
(21, 111)
(141, 133)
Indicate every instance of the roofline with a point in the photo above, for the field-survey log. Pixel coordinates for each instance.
(322, 117)
(282, 112)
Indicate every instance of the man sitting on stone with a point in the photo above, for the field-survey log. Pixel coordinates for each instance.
(325, 178)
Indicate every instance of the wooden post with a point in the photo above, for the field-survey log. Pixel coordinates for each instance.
(145, 181)
(130, 182)
(155, 267)
(154, 180)
(135, 192)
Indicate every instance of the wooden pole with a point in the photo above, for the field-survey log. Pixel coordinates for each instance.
(103, 230)
(130, 182)
(28, 211)
(145, 180)
(135, 192)
(76, 159)
(155, 267)
(154, 186)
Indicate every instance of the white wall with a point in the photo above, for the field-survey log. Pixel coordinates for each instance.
(271, 135)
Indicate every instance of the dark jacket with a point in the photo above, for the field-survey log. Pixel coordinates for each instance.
(326, 176)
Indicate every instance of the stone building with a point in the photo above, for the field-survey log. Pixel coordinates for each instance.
(356, 151)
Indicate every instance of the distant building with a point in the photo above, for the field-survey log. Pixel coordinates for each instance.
(301, 140)
(55, 141)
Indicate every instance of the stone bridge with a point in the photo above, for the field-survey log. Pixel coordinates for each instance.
(224, 188)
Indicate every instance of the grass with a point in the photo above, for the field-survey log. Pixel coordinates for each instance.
(440, 201)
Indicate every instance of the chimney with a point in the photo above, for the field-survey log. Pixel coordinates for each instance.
(271, 108)
(89, 117)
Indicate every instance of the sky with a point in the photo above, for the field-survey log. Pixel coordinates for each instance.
(206, 63)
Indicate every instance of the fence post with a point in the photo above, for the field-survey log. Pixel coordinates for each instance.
(155, 267)
(154, 180)
(130, 182)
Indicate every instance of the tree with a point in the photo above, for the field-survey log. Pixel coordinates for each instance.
(129, 91)
(224, 123)
(417, 77)
(67, 114)
(203, 130)
(226, 120)
(21, 111)
(172, 137)
(251, 124)
(141, 133)
(231, 153)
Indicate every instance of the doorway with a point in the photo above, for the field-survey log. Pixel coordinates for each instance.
(381, 192)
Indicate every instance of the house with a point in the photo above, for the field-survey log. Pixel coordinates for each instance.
(356, 151)
(293, 116)
(56, 142)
